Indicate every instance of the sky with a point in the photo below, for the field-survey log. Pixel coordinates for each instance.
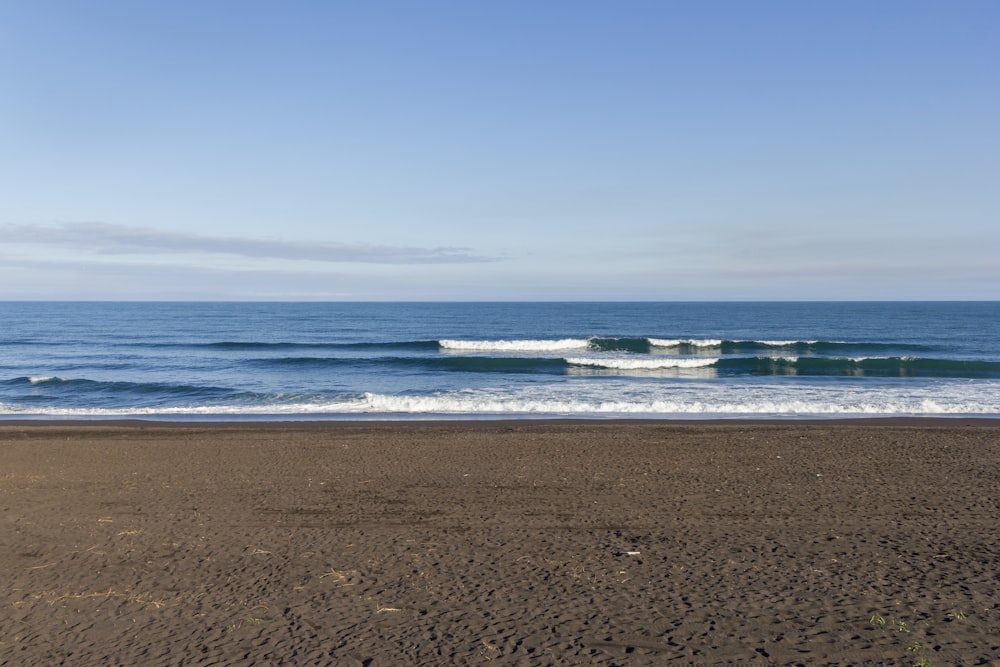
(440, 150)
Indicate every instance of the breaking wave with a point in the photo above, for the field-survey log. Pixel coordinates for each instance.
(699, 400)
(516, 345)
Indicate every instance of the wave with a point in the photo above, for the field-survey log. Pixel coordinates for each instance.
(689, 342)
(875, 367)
(596, 344)
(819, 347)
(646, 345)
(471, 403)
(115, 391)
(626, 344)
(516, 345)
(786, 405)
(655, 363)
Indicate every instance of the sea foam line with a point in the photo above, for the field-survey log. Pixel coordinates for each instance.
(784, 343)
(487, 405)
(579, 343)
(677, 342)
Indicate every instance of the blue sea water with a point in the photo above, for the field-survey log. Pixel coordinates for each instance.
(477, 360)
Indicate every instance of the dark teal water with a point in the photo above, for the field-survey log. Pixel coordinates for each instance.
(332, 360)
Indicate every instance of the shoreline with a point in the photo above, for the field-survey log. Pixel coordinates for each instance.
(508, 542)
(272, 421)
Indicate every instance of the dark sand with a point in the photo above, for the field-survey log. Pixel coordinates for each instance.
(501, 543)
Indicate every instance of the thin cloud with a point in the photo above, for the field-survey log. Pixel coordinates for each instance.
(110, 239)
(133, 278)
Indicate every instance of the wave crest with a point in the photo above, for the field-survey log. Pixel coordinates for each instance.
(693, 342)
(640, 364)
(515, 345)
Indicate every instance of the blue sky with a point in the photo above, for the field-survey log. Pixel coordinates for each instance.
(494, 150)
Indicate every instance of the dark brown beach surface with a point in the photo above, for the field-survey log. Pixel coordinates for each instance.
(865, 542)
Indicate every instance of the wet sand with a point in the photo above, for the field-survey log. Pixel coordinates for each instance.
(867, 542)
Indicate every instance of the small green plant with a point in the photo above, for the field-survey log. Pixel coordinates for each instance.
(249, 620)
(957, 615)
(917, 646)
(892, 623)
(923, 662)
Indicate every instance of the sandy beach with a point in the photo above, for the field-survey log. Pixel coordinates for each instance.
(866, 542)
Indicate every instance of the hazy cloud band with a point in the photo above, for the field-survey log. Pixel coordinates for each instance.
(113, 239)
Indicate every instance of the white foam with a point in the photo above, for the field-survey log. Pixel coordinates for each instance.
(41, 379)
(485, 405)
(785, 343)
(676, 342)
(620, 363)
(515, 345)
(616, 396)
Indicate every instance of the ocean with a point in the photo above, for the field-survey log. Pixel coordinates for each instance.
(244, 361)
